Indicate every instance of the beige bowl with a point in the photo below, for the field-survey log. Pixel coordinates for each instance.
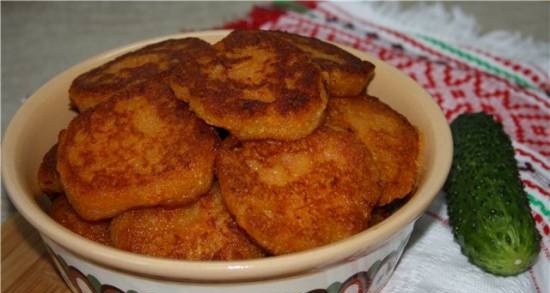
(364, 260)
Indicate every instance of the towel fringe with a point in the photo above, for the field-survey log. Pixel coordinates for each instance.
(455, 26)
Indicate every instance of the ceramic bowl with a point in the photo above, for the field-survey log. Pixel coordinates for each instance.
(361, 263)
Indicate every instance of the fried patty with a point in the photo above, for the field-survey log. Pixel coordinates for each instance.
(391, 139)
(63, 213)
(345, 74)
(255, 85)
(201, 231)
(48, 177)
(142, 147)
(292, 196)
(97, 85)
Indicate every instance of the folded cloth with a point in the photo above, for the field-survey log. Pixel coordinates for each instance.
(461, 78)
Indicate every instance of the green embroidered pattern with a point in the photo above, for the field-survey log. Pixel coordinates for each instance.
(539, 204)
(470, 58)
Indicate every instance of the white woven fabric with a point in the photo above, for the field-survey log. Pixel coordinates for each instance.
(432, 262)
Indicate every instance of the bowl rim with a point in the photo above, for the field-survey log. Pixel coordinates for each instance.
(227, 271)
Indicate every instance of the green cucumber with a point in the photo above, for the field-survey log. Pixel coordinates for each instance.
(487, 205)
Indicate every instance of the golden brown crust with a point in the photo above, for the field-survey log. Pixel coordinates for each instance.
(345, 74)
(98, 84)
(140, 148)
(291, 196)
(255, 85)
(389, 136)
(202, 231)
(48, 177)
(62, 212)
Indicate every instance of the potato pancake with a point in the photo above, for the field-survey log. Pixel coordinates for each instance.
(97, 85)
(203, 230)
(63, 213)
(345, 74)
(255, 85)
(391, 139)
(142, 147)
(48, 177)
(295, 195)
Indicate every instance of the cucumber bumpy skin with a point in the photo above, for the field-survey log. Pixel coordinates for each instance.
(487, 205)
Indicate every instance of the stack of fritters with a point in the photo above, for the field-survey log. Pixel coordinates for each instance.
(308, 157)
